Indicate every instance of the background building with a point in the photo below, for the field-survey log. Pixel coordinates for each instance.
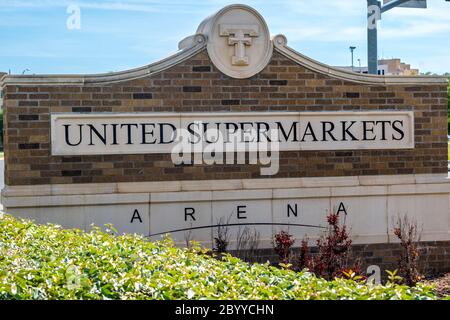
(394, 67)
(389, 67)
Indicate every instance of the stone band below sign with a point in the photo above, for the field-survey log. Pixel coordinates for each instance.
(132, 133)
(370, 203)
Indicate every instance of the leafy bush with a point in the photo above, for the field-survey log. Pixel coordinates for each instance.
(47, 262)
(407, 231)
(334, 247)
(282, 244)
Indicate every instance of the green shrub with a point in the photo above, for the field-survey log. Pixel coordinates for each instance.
(47, 262)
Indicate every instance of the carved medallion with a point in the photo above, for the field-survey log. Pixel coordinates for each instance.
(239, 42)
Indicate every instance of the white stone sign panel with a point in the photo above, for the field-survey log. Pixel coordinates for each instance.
(146, 133)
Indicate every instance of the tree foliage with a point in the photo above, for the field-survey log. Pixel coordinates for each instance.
(448, 92)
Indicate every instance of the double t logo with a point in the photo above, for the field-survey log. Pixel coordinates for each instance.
(239, 36)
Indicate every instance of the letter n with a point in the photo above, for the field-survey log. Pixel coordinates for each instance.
(293, 210)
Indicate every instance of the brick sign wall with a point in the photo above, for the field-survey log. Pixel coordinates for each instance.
(196, 85)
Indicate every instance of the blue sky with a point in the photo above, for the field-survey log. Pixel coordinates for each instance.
(117, 35)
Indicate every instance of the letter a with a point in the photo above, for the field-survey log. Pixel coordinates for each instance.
(136, 215)
(341, 209)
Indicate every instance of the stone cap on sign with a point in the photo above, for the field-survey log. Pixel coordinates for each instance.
(238, 43)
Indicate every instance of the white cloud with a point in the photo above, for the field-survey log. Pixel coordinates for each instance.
(414, 30)
(325, 8)
(118, 5)
(324, 34)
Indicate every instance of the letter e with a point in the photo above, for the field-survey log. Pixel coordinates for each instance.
(241, 210)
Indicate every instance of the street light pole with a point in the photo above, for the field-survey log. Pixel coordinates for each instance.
(374, 11)
(351, 50)
(373, 16)
(394, 3)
